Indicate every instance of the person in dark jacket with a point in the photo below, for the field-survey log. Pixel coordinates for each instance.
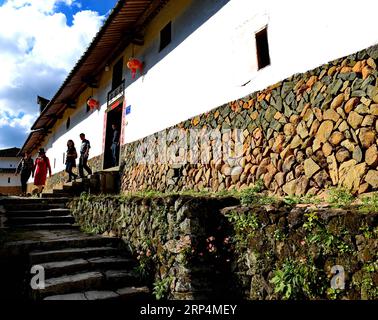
(84, 154)
(71, 160)
(115, 145)
(25, 168)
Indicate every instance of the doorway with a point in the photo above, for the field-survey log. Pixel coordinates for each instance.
(113, 117)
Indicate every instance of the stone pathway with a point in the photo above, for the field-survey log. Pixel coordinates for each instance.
(77, 266)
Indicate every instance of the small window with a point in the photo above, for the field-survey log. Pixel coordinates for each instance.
(68, 123)
(165, 36)
(64, 155)
(8, 180)
(262, 48)
(11, 165)
(54, 163)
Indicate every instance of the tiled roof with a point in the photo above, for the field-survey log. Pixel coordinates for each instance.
(11, 152)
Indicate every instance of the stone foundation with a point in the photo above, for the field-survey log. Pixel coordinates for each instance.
(16, 190)
(199, 247)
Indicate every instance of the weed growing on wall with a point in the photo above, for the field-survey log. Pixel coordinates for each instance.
(340, 197)
(324, 239)
(369, 204)
(254, 195)
(365, 282)
(161, 288)
(298, 280)
(244, 224)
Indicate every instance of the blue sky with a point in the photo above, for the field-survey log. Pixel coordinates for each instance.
(101, 6)
(34, 55)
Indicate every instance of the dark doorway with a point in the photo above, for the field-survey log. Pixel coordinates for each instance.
(113, 117)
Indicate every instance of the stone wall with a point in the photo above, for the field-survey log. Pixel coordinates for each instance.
(314, 244)
(200, 247)
(301, 135)
(169, 236)
(15, 190)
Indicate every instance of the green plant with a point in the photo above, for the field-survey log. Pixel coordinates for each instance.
(161, 288)
(279, 235)
(243, 221)
(298, 280)
(365, 229)
(369, 204)
(365, 283)
(245, 224)
(251, 196)
(319, 235)
(340, 197)
(92, 229)
(312, 220)
(334, 294)
(307, 199)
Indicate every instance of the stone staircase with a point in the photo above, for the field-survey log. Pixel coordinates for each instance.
(38, 214)
(98, 182)
(76, 266)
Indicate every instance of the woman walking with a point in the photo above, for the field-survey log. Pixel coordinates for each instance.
(71, 160)
(25, 168)
(41, 166)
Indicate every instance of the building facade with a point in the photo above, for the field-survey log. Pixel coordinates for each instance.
(196, 55)
(9, 183)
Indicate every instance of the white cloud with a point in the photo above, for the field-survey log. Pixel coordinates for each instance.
(37, 50)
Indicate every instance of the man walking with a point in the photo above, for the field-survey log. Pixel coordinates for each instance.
(84, 154)
(115, 145)
(25, 167)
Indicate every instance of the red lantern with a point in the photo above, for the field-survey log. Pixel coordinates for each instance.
(93, 103)
(134, 64)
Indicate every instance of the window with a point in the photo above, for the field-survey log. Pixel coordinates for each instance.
(11, 165)
(117, 74)
(8, 180)
(165, 36)
(262, 48)
(54, 163)
(64, 154)
(68, 123)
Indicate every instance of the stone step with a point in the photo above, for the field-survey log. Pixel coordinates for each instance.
(59, 191)
(63, 243)
(46, 226)
(35, 206)
(120, 278)
(31, 200)
(38, 213)
(56, 194)
(112, 262)
(70, 283)
(127, 293)
(38, 257)
(14, 221)
(59, 268)
(83, 281)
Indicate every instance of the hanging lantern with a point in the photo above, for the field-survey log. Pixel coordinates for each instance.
(134, 64)
(93, 103)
